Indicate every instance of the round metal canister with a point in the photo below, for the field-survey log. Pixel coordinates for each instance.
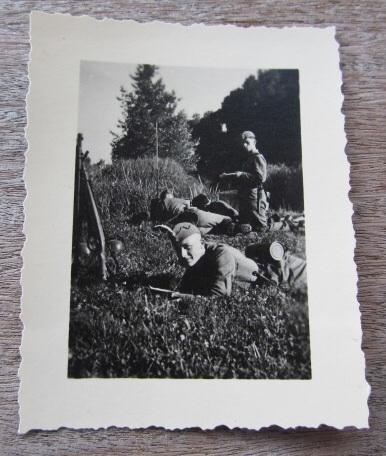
(265, 253)
(115, 245)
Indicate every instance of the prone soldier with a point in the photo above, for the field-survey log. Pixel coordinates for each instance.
(211, 269)
(167, 206)
(171, 210)
(202, 202)
(216, 269)
(278, 266)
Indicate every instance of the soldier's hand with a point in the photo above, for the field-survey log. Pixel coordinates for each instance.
(177, 295)
(223, 176)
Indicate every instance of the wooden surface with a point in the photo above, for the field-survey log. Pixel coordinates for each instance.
(361, 32)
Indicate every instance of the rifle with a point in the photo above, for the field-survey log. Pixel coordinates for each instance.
(88, 235)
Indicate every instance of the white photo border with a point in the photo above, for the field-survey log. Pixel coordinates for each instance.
(337, 393)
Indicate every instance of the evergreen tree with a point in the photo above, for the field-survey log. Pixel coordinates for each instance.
(147, 104)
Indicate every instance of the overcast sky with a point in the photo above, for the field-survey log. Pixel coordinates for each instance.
(200, 90)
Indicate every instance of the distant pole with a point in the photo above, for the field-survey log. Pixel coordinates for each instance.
(156, 153)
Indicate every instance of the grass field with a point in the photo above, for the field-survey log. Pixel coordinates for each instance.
(119, 329)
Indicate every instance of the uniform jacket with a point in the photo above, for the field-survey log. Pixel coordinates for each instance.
(253, 175)
(174, 206)
(222, 208)
(217, 271)
(205, 221)
(291, 270)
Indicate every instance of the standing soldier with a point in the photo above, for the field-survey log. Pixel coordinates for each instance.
(253, 203)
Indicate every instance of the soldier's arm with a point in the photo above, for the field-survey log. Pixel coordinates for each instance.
(223, 274)
(258, 173)
(221, 271)
(185, 296)
(231, 212)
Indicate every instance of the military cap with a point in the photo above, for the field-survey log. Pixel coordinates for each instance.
(184, 230)
(247, 134)
(164, 194)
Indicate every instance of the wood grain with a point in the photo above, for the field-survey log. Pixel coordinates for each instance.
(361, 32)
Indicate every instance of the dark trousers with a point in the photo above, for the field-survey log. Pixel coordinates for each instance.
(254, 211)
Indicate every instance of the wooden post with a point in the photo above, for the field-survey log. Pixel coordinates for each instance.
(156, 153)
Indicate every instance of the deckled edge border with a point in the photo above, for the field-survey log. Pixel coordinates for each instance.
(25, 224)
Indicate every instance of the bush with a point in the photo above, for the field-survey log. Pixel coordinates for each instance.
(127, 186)
(285, 183)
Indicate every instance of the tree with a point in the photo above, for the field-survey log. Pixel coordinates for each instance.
(147, 104)
(268, 105)
(211, 143)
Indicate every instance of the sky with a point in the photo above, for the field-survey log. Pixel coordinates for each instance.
(199, 90)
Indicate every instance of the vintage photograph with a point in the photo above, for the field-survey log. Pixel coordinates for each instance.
(189, 255)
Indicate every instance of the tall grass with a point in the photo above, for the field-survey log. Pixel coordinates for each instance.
(127, 186)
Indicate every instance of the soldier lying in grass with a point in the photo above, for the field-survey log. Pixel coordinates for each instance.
(202, 202)
(169, 206)
(278, 266)
(216, 269)
(211, 269)
(171, 210)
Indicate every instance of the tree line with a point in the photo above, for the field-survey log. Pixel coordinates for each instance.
(267, 103)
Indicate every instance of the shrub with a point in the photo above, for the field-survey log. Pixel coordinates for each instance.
(285, 183)
(127, 186)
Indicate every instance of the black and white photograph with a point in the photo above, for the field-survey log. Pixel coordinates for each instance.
(189, 254)
(188, 251)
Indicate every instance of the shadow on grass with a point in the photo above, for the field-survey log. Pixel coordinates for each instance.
(140, 279)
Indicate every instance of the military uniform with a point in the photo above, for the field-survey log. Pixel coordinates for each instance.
(292, 271)
(220, 269)
(208, 222)
(253, 203)
(222, 208)
(278, 266)
(164, 210)
(174, 206)
(177, 210)
(217, 207)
